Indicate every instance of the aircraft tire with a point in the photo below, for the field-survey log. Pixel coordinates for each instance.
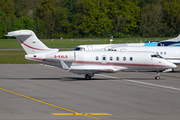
(87, 77)
(157, 77)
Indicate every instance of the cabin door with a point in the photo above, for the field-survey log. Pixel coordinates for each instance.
(104, 59)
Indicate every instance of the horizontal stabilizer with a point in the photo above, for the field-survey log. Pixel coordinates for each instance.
(19, 33)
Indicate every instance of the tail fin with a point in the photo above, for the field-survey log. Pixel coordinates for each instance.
(30, 43)
(177, 39)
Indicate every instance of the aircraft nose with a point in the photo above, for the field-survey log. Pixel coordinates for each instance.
(173, 65)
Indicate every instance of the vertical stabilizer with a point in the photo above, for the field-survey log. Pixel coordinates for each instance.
(177, 39)
(30, 43)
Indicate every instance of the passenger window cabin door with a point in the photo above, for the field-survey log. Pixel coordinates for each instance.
(104, 59)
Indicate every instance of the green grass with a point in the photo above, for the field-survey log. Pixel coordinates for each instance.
(13, 57)
(17, 56)
(72, 43)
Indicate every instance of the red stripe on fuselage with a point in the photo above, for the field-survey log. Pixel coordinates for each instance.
(116, 64)
(108, 63)
(40, 59)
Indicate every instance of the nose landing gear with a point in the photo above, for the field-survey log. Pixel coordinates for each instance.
(157, 76)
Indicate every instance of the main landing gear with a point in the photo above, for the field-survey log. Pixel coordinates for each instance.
(88, 76)
(157, 76)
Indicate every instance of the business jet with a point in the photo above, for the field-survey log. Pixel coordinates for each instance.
(105, 47)
(168, 42)
(89, 63)
(177, 39)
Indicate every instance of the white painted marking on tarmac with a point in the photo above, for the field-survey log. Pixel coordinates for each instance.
(150, 84)
(144, 83)
(107, 76)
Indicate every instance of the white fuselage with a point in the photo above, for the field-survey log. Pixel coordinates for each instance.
(102, 61)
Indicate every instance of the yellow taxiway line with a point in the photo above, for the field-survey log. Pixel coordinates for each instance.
(73, 112)
(81, 114)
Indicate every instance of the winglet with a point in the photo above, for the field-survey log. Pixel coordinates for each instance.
(64, 65)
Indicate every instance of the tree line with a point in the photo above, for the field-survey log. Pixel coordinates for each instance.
(91, 18)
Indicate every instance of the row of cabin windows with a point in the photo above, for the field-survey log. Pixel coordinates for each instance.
(117, 58)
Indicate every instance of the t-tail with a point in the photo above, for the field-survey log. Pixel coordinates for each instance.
(30, 43)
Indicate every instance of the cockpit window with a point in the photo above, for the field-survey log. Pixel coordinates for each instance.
(79, 49)
(156, 56)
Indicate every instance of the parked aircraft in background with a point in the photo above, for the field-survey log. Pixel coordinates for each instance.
(89, 63)
(105, 47)
(164, 43)
(177, 39)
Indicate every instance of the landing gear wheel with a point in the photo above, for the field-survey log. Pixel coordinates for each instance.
(157, 77)
(87, 77)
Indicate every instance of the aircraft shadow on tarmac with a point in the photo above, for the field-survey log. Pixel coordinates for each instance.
(95, 78)
(69, 79)
(92, 79)
(82, 79)
(61, 79)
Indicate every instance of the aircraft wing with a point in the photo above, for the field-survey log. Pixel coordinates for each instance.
(96, 69)
(81, 69)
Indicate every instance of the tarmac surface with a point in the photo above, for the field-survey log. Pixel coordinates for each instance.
(37, 92)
